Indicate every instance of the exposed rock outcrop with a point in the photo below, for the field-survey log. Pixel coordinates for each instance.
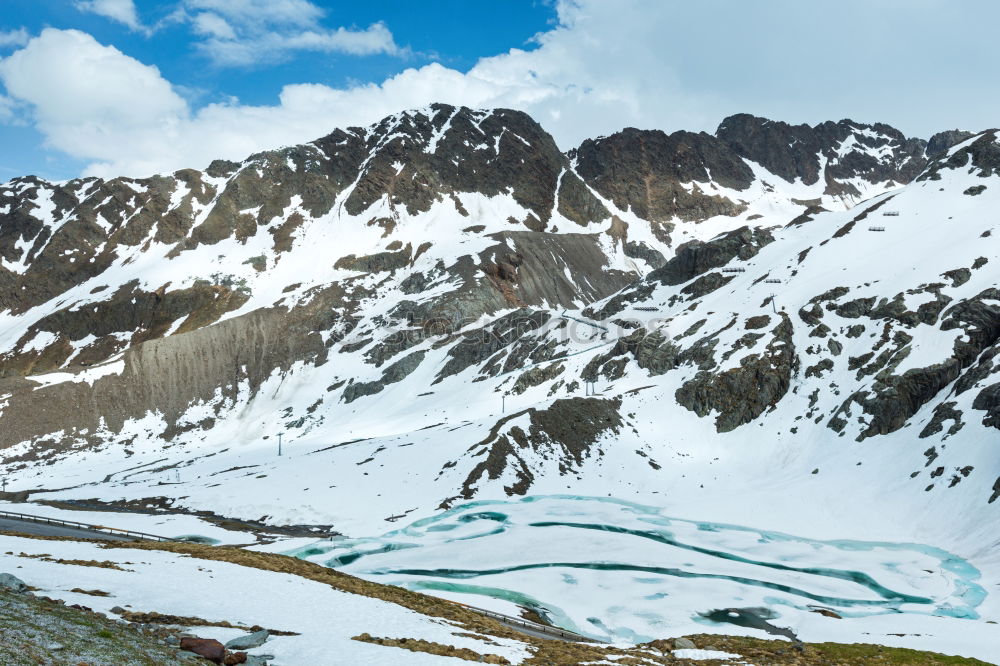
(742, 394)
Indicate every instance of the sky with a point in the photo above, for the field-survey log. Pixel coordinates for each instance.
(137, 87)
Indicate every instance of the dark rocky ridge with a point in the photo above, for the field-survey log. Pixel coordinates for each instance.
(794, 151)
(644, 171)
(524, 274)
(661, 176)
(414, 159)
(982, 156)
(452, 150)
(565, 431)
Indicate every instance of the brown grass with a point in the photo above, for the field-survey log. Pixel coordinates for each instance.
(104, 564)
(547, 652)
(420, 645)
(188, 621)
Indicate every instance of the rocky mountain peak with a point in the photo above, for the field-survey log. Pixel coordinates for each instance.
(660, 176)
(978, 154)
(939, 144)
(838, 152)
(446, 303)
(422, 156)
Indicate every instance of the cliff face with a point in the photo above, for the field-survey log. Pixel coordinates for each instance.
(834, 153)
(438, 297)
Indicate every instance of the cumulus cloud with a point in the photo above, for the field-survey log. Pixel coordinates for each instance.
(245, 32)
(17, 37)
(122, 11)
(597, 70)
(97, 104)
(93, 101)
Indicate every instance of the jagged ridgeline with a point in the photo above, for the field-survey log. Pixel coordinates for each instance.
(446, 300)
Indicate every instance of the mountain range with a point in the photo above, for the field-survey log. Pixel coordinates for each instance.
(433, 299)
(791, 327)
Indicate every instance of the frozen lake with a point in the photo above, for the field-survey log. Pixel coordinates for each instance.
(621, 571)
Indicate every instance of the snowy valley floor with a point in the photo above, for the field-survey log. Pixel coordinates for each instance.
(617, 571)
(326, 618)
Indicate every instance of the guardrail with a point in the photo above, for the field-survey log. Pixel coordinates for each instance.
(100, 529)
(527, 624)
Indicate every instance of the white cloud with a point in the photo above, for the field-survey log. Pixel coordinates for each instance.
(238, 48)
(376, 38)
(7, 110)
(244, 32)
(17, 37)
(122, 11)
(213, 25)
(97, 104)
(94, 102)
(599, 69)
(300, 13)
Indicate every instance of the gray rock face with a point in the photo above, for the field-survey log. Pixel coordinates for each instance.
(794, 151)
(476, 346)
(169, 373)
(652, 352)
(396, 372)
(643, 171)
(695, 258)
(487, 152)
(568, 428)
(897, 398)
(989, 400)
(486, 304)
(943, 412)
(939, 144)
(258, 660)
(982, 155)
(249, 641)
(536, 377)
(742, 394)
(651, 256)
(12, 583)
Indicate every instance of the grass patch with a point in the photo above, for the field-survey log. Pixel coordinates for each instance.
(420, 645)
(545, 652)
(759, 651)
(41, 631)
(553, 652)
(187, 621)
(45, 557)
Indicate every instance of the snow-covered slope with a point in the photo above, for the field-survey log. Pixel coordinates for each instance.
(182, 586)
(779, 327)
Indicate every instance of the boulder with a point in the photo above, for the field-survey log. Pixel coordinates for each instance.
(249, 641)
(684, 644)
(12, 583)
(234, 658)
(209, 648)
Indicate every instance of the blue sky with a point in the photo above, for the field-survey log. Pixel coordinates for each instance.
(133, 87)
(455, 33)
